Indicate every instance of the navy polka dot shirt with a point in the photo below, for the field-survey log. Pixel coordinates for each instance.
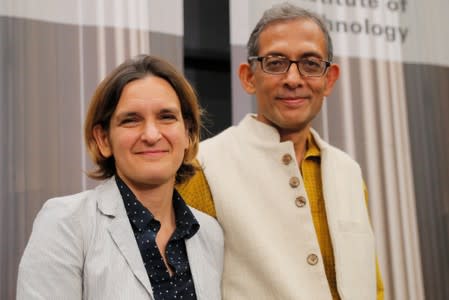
(145, 227)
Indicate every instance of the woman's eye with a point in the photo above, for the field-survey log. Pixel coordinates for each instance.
(168, 117)
(127, 121)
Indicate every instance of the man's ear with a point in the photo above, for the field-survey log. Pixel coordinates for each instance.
(246, 76)
(102, 140)
(332, 75)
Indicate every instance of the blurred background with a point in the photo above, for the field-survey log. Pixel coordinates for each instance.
(389, 109)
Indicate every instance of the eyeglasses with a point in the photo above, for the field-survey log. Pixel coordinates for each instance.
(308, 67)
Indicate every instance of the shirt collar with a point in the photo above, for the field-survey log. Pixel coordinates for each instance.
(142, 219)
(312, 149)
(186, 223)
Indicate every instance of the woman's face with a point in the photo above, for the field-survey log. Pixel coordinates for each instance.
(147, 136)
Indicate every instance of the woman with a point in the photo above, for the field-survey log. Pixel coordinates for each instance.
(132, 237)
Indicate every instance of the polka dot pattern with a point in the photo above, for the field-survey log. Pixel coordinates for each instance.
(180, 285)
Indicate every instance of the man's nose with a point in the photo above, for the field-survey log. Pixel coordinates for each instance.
(293, 77)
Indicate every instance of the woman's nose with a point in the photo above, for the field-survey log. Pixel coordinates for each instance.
(151, 133)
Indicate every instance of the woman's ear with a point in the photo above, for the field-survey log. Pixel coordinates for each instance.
(102, 140)
(246, 76)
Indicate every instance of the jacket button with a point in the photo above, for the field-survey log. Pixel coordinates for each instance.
(312, 259)
(300, 201)
(294, 182)
(286, 159)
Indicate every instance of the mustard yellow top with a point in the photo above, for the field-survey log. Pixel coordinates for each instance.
(197, 194)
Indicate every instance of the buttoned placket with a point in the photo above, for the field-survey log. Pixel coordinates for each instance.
(300, 201)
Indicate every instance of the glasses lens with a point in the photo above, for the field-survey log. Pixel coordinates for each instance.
(311, 67)
(275, 64)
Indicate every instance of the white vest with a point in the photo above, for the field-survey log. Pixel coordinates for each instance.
(271, 247)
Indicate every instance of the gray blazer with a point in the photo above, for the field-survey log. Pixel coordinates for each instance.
(83, 247)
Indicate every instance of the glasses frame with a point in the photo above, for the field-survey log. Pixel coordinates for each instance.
(296, 62)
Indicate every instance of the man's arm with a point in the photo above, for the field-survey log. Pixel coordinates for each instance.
(196, 193)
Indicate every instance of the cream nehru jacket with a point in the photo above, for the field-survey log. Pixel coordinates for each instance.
(271, 248)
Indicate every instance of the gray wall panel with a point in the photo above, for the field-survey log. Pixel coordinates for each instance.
(169, 47)
(41, 99)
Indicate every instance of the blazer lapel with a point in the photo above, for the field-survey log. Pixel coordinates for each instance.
(195, 264)
(111, 204)
(120, 233)
(198, 267)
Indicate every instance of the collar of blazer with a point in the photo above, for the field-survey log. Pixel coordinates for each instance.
(109, 199)
(110, 204)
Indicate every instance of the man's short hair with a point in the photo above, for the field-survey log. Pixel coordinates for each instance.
(282, 12)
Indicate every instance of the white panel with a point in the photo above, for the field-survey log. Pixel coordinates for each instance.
(152, 15)
(394, 30)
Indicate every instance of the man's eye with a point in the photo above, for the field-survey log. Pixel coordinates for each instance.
(308, 63)
(275, 62)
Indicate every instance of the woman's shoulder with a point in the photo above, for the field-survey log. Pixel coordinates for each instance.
(68, 206)
(76, 205)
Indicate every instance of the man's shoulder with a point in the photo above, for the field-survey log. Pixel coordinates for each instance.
(224, 136)
(232, 136)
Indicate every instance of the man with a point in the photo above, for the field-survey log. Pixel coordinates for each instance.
(291, 206)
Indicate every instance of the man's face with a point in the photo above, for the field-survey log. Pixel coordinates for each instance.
(289, 101)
